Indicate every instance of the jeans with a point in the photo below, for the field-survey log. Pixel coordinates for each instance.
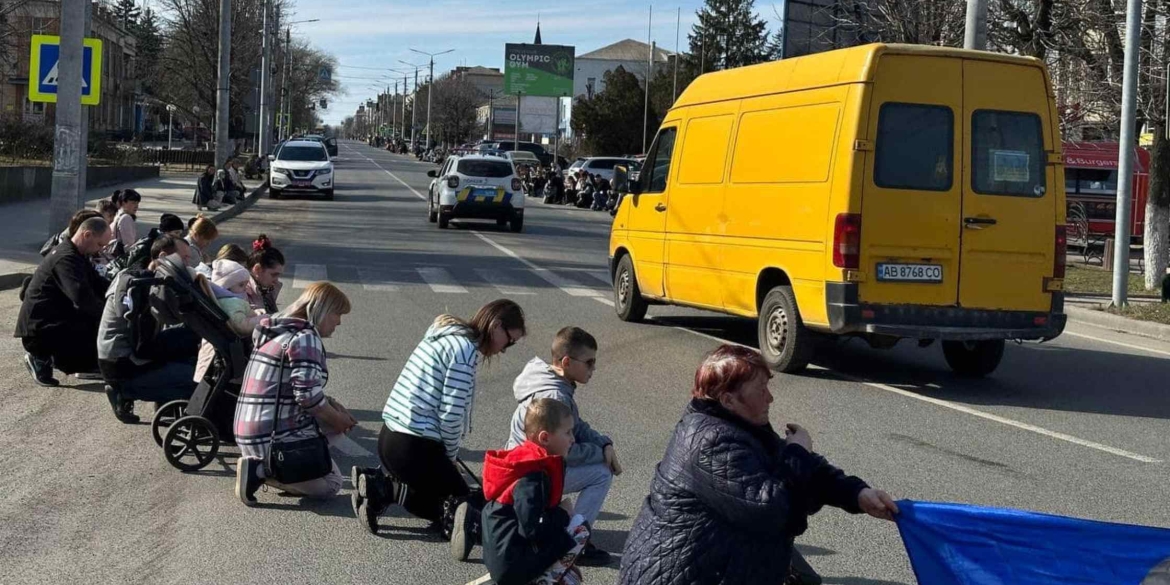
(160, 383)
(592, 482)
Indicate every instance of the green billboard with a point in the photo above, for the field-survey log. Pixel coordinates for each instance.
(543, 70)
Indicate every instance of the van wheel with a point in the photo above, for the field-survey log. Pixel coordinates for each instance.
(627, 297)
(785, 343)
(973, 359)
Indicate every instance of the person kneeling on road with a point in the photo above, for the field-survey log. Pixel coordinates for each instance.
(62, 306)
(592, 461)
(132, 349)
(528, 535)
(282, 400)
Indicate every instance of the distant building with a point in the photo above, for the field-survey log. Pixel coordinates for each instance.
(488, 80)
(120, 111)
(631, 55)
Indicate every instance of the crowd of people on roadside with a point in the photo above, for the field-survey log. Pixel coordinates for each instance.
(217, 188)
(726, 501)
(579, 189)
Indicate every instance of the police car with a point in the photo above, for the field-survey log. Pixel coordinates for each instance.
(476, 187)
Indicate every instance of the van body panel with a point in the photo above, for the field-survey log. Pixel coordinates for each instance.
(646, 223)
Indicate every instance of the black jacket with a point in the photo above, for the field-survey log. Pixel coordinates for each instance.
(204, 189)
(64, 293)
(726, 502)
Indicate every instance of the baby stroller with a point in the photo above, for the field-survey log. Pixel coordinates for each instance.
(190, 432)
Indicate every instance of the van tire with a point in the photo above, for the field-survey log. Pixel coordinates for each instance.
(627, 297)
(973, 359)
(785, 343)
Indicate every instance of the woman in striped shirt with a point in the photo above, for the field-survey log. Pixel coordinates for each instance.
(427, 415)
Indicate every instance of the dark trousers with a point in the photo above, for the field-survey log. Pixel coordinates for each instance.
(73, 349)
(423, 466)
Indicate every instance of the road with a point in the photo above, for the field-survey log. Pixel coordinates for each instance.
(1077, 426)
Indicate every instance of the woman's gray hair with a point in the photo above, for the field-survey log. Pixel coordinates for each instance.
(318, 300)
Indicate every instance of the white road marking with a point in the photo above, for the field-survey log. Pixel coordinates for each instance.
(395, 177)
(966, 409)
(570, 287)
(376, 281)
(604, 301)
(503, 282)
(350, 447)
(1118, 343)
(306, 274)
(440, 280)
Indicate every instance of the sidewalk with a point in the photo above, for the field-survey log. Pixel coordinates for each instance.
(25, 225)
(1088, 309)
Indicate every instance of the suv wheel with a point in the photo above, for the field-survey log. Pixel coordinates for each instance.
(432, 213)
(785, 343)
(973, 359)
(517, 223)
(627, 297)
(444, 220)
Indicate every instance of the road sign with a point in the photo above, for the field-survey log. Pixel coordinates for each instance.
(544, 70)
(43, 58)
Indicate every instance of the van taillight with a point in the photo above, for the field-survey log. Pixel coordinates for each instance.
(453, 182)
(847, 241)
(1061, 252)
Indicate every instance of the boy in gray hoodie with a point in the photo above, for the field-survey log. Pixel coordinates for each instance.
(592, 461)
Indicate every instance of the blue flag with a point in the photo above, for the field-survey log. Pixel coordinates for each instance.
(955, 544)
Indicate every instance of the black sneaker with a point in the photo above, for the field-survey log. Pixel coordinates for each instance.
(462, 532)
(371, 502)
(248, 480)
(42, 371)
(800, 572)
(355, 500)
(591, 556)
(123, 408)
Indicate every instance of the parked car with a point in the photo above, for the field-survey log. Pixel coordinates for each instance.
(476, 187)
(602, 166)
(545, 157)
(329, 142)
(301, 166)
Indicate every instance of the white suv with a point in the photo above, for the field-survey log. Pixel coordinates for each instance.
(601, 166)
(476, 187)
(301, 166)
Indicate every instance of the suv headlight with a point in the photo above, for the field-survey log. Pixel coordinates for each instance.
(281, 170)
(325, 171)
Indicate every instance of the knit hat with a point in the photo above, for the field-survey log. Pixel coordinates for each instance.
(170, 222)
(228, 273)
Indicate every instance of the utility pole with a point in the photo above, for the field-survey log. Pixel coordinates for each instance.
(975, 35)
(265, 82)
(69, 145)
(431, 87)
(222, 103)
(285, 98)
(516, 136)
(649, 76)
(414, 111)
(1133, 14)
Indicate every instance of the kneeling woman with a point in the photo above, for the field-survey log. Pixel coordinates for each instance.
(283, 403)
(428, 413)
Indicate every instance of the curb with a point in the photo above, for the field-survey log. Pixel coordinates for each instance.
(1118, 323)
(13, 280)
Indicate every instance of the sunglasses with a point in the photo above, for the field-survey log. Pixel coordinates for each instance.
(591, 363)
(511, 341)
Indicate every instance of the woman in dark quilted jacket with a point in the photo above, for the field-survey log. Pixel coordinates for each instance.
(730, 495)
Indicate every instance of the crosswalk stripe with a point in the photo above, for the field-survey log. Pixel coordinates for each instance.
(570, 287)
(440, 280)
(600, 274)
(306, 274)
(504, 282)
(376, 281)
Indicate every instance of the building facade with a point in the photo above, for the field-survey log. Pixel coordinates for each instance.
(488, 80)
(631, 55)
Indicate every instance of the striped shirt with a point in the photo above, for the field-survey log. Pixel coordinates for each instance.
(295, 344)
(435, 392)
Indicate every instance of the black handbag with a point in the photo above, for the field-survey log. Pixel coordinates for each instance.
(299, 460)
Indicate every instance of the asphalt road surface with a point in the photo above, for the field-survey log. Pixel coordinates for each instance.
(1078, 426)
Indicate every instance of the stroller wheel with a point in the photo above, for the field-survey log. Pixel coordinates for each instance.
(164, 417)
(191, 443)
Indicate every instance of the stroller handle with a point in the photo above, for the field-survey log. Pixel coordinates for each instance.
(146, 281)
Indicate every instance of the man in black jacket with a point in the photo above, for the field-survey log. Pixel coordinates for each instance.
(59, 317)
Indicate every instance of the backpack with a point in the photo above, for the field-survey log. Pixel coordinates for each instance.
(135, 258)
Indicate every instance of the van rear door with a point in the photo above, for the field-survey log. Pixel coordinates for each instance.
(910, 210)
(1009, 191)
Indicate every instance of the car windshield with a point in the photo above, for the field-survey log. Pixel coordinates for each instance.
(577, 165)
(303, 153)
(484, 168)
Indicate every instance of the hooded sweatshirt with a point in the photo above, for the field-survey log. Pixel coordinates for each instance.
(435, 393)
(538, 380)
(523, 525)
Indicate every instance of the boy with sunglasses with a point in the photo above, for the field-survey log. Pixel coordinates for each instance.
(591, 462)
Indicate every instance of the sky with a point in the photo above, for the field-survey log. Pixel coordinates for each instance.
(365, 35)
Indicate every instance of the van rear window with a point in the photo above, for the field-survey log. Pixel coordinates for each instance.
(1007, 154)
(915, 147)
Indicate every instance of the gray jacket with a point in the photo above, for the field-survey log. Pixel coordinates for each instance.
(538, 380)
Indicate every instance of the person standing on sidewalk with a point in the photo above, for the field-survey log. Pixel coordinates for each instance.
(58, 320)
(126, 223)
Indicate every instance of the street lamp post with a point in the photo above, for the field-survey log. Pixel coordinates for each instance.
(413, 106)
(431, 87)
(285, 125)
(170, 123)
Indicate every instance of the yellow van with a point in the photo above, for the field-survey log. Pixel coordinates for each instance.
(884, 191)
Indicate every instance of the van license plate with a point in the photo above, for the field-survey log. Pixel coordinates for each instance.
(909, 272)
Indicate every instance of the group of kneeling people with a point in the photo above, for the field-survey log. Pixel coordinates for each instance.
(726, 502)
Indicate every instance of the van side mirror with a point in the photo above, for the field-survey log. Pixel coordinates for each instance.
(433, 174)
(621, 179)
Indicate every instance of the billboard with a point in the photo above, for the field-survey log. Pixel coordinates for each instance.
(541, 70)
(814, 26)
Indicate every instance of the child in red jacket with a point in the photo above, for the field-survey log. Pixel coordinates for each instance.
(529, 535)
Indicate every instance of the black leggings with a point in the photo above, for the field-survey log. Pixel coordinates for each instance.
(423, 466)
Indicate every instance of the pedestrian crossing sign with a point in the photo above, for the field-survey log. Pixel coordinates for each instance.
(43, 58)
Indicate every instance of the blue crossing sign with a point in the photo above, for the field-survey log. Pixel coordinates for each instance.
(43, 70)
